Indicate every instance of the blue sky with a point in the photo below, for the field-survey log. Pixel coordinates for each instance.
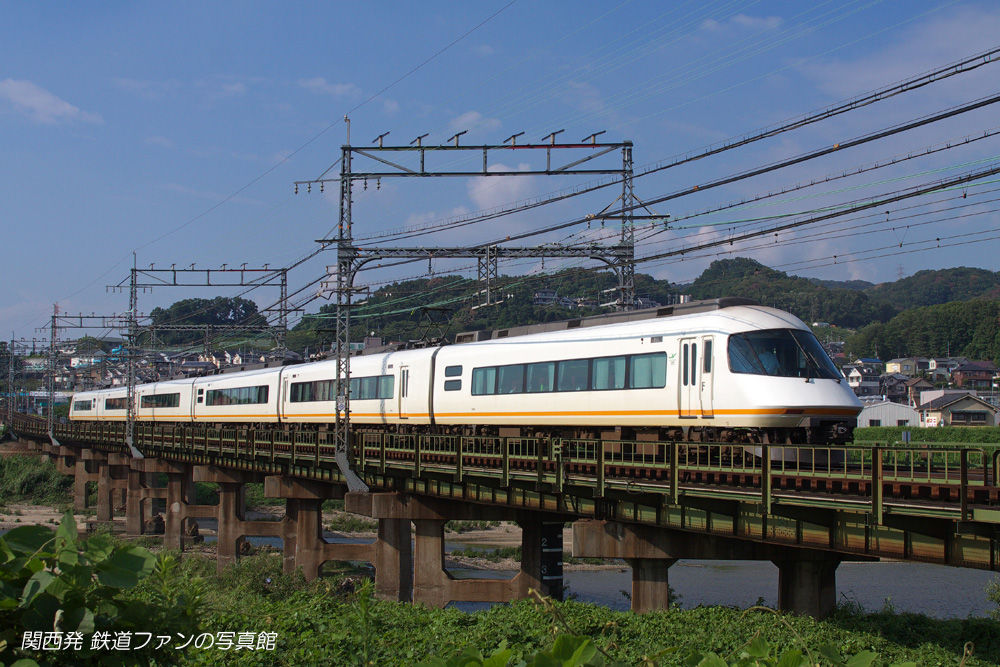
(177, 129)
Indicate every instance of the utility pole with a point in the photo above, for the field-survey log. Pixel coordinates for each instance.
(10, 382)
(131, 347)
(53, 364)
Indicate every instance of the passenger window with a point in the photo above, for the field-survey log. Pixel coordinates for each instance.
(694, 363)
(484, 381)
(452, 385)
(708, 356)
(541, 377)
(510, 379)
(648, 371)
(574, 375)
(609, 373)
(684, 364)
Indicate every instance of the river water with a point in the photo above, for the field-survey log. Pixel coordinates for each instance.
(934, 590)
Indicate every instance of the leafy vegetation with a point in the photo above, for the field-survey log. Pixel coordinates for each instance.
(27, 479)
(883, 434)
(966, 328)
(800, 296)
(931, 287)
(51, 580)
(219, 311)
(336, 620)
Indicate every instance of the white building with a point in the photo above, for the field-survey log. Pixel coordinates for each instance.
(887, 413)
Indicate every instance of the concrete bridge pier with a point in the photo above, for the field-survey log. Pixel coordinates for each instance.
(806, 577)
(112, 483)
(541, 565)
(181, 506)
(139, 494)
(650, 583)
(304, 545)
(808, 587)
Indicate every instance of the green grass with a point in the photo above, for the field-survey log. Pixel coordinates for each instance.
(26, 479)
(327, 622)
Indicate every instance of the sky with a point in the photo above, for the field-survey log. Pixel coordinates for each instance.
(177, 131)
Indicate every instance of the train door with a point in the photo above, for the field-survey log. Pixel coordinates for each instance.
(282, 399)
(705, 388)
(688, 393)
(404, 389)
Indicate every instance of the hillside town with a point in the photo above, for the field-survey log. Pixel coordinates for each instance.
(922, 391)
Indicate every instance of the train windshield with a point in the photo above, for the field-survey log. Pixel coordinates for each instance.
(780, 353)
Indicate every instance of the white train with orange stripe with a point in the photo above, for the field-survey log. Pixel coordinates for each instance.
(723, 370)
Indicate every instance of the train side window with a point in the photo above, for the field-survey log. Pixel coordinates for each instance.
(452, 385)
(386, 386)
(684, 364)
(708, 356)
(694, 363)
(609, 373)
(452, 371)
(541, 377)
(574, 375)
(484, 381)
(510, 379)
(648, 371)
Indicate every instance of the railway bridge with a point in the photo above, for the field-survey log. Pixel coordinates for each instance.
(805, 508)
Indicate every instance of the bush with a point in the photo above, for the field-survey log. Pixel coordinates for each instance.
(26, 479)
(943, 434)
(49, 579)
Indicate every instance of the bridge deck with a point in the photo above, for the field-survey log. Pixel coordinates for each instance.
(919, 502)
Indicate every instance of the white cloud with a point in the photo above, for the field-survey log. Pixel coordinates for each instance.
(484, 50)
(390, 106)
(489, 192)
(322, 86)
(745, 22)
(473, 120)
(159, 141)
(927, 45)
(42, 106)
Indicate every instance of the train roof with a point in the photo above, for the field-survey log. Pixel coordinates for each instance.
(690, 308)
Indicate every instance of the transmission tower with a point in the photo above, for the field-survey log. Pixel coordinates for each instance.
(351, 258)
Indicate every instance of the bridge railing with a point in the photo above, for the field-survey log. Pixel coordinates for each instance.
(946, 473)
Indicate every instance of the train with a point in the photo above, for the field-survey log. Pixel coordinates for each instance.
(724, 370)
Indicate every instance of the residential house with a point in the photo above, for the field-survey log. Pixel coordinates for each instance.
(88, 359)
(892, 386)
(958, 410)
(870, 362)
(974, 375)
(913, 388)
(887, 413)
(864, 381)
(544, 297)
(908, 366)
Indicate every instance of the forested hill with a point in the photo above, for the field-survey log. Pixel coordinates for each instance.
(800, 296)
(927, 288)
(848, 303)
(399, 311)
(966, 328)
